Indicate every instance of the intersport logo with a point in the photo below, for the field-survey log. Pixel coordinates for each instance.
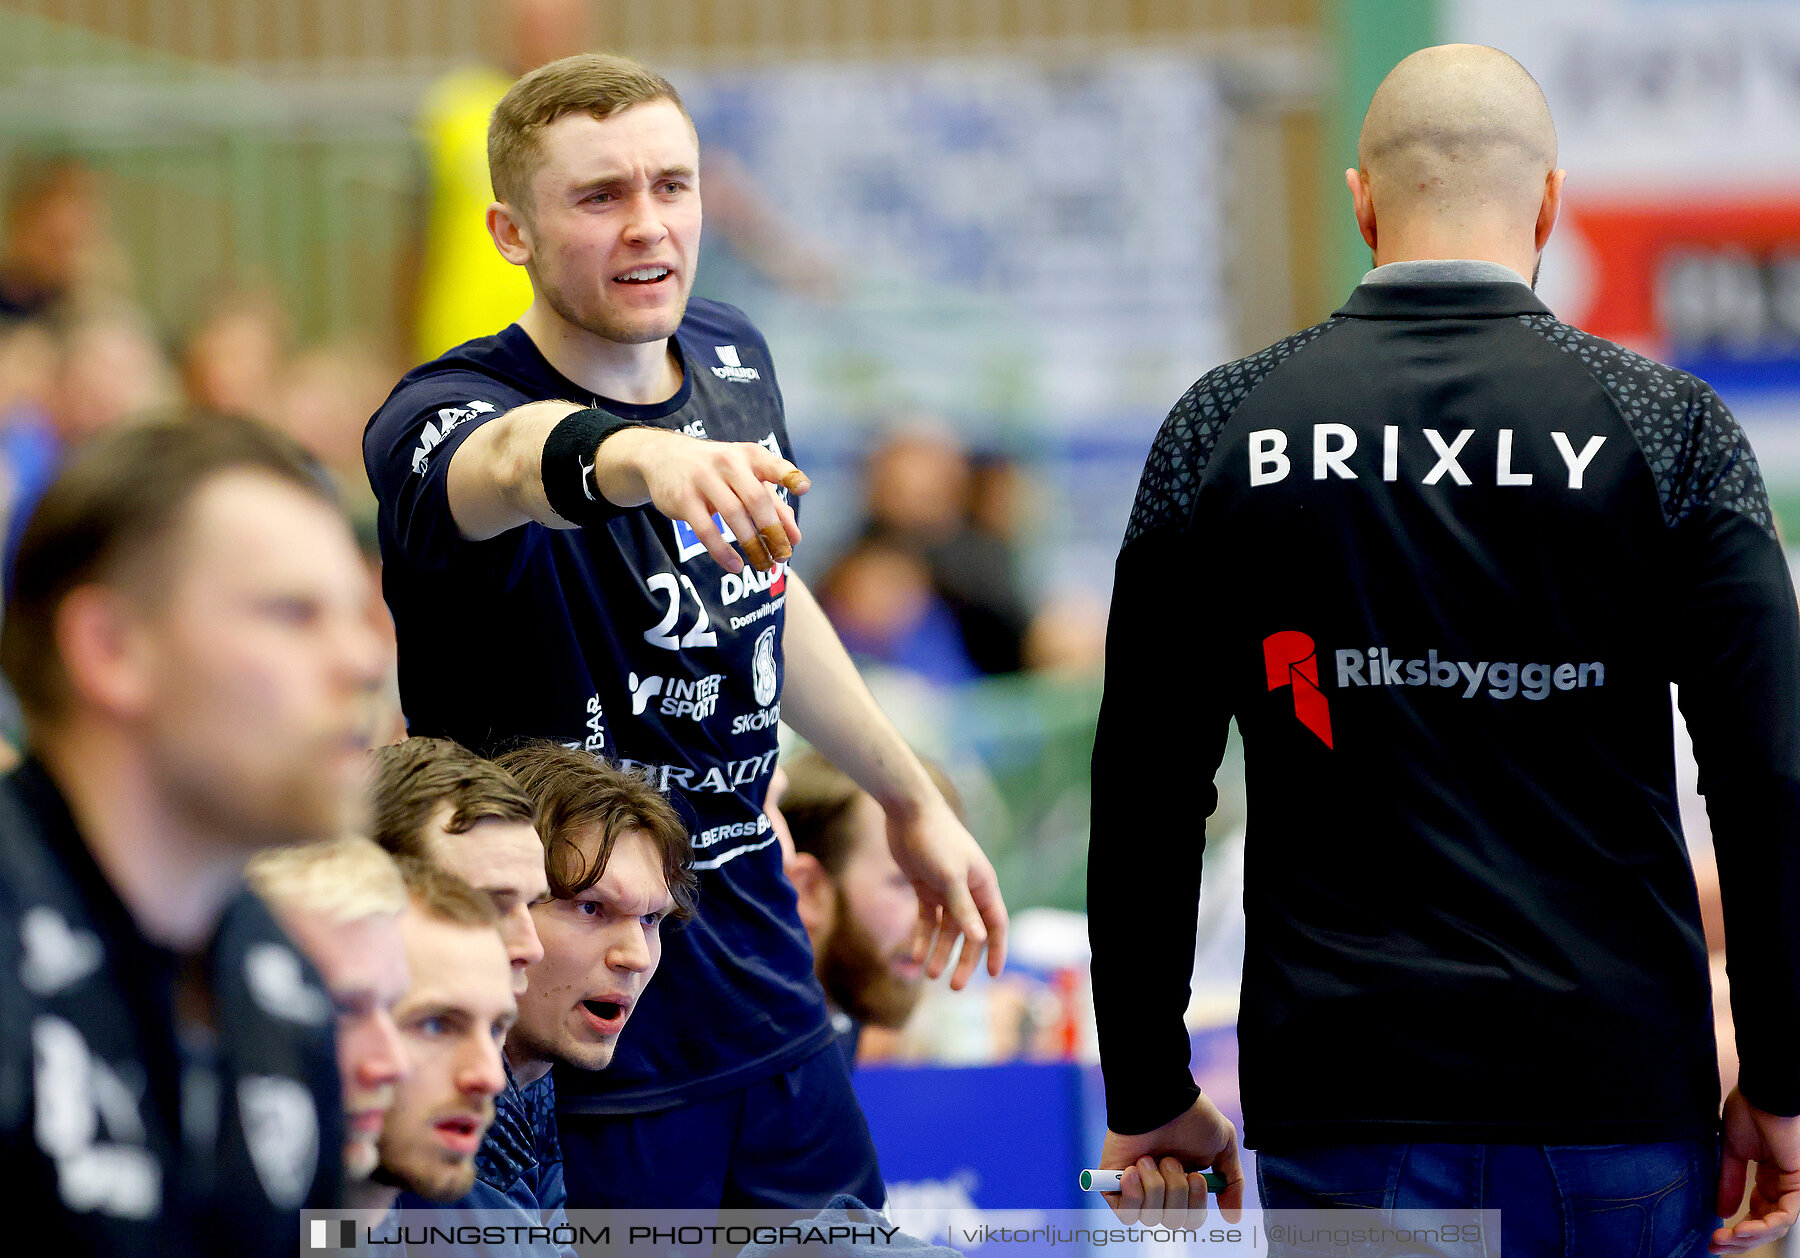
(1290, 659)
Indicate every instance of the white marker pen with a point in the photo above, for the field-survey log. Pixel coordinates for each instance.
(1108, 1181)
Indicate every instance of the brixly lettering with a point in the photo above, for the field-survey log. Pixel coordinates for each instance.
(1334, 444)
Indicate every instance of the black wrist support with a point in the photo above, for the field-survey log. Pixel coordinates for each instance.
(568, 466)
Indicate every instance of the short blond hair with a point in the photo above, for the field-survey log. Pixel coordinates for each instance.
(440, 894)
(594, 83)
(343, 880)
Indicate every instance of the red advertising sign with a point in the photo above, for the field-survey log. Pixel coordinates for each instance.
(1709, 277)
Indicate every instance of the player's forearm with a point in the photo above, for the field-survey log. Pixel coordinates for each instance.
(827, 702)
(496, 479)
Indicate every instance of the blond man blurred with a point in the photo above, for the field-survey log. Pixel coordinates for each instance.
(341, 901)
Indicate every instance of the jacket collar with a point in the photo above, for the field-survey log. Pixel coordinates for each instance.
(1442, 300)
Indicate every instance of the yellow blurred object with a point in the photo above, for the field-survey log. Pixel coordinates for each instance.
(466, 288)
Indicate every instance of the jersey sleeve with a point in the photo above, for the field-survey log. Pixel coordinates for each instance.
(1739, 647)
(1147, 835)
(407, 451)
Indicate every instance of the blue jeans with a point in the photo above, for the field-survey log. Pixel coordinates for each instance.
(1555, 1201)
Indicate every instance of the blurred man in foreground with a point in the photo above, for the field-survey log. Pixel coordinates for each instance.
(439, 802)
(187, 634)
(452, 1021)
(341, 901)
(1453, 552)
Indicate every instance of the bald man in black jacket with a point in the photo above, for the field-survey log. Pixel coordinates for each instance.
(1442, 556)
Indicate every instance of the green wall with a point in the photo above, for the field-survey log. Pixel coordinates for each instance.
(1366, 38)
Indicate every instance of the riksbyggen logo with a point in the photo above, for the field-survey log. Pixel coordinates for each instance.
(1290, 659)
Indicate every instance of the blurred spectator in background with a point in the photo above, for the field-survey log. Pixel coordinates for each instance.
(110, 367)
(857, 905)
(232, 359)
(60, 382)
(977, 565)
(1067, 636)
(103, 367)
(956, 518)
(327, 393)
(27, 366)
(465, 288)
(75, 356)
(239, 360)
(322, 397)
(29, 447)
(56, 249)
(340, 900)
(881, 600)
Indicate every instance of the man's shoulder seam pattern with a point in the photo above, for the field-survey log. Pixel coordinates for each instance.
(1695, 450)
(1185, 443)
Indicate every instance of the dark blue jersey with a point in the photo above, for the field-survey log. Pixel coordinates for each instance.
(627, 640)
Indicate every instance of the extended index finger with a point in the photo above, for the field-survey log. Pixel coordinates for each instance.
(776, 470)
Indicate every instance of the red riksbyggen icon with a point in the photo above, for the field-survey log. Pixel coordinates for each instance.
(1291, 660)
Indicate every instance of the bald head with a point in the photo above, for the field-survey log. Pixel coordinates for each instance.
(1457, 159)
(1458, 130)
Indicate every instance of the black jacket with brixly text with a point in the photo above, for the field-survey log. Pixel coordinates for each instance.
(1442, 557)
